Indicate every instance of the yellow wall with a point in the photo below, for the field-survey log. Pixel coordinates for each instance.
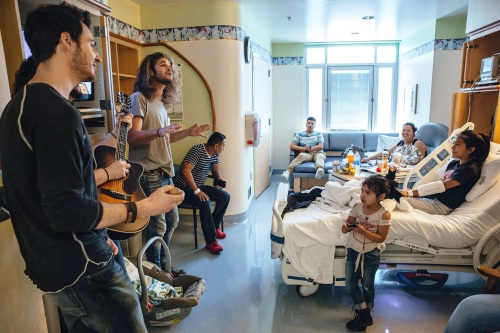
(126, 11)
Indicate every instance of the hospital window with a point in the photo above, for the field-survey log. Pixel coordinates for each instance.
(352, 87)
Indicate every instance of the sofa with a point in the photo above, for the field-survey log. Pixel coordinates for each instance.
(334, 146)
(432, 134)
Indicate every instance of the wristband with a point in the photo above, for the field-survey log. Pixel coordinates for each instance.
(107, 174)
(410, 193)
(197, 191)
(131, 212)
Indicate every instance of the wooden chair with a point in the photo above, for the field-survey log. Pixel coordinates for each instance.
(493, 276)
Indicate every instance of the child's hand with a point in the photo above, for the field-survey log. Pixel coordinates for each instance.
(345, 229)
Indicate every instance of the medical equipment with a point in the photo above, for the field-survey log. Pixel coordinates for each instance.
(312, 248)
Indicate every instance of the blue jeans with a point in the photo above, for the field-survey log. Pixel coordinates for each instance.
(209, 221)
(161, 225)
(370, 262)
(478, 313)
(103, 300)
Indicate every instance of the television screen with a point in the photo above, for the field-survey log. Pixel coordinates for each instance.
(87, 90)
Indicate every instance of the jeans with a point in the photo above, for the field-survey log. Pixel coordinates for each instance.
(161, 225)
(209, 221)
(103, 300)
(478, 313)
(369, 261)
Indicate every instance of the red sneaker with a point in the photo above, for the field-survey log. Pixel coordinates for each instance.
(219, 234)
(214, 247)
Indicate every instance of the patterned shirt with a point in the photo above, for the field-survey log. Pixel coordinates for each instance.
(371, 223)
(303, 139)
(202, 162)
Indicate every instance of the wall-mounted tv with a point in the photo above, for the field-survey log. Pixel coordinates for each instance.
(87, 89)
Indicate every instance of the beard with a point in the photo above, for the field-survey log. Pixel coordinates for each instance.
(81, 65)
(161, 80)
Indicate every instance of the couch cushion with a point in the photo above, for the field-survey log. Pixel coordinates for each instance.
(341, 140)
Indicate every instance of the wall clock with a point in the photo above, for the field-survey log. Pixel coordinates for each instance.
(247, 49)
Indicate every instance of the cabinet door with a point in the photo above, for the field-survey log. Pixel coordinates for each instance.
(476, 50)
(479, 108)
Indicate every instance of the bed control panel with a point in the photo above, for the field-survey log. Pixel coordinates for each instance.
(431, 164)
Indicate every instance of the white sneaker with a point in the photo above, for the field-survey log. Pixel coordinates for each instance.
(319, 173)
(284, 176)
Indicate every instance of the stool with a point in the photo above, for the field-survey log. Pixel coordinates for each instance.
(185, 205)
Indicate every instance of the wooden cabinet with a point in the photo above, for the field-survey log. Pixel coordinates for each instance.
(125, 57)
(478, 103)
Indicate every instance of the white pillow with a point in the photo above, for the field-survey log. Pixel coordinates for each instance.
(490, 173)
(385, 141)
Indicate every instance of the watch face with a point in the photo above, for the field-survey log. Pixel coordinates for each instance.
(247, 49)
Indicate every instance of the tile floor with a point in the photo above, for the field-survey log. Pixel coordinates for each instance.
(245, 292)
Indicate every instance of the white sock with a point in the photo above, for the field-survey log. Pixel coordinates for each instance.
(319, 173)
(284, 176)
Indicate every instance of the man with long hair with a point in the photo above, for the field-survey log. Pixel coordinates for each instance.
(49, 182)
(157, 87)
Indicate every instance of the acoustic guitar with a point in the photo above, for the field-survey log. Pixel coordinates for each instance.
(126, 189)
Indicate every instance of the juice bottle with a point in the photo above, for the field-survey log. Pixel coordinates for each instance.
(385, 158)
(350, 157)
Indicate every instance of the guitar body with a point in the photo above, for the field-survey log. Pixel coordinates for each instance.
(127, 189)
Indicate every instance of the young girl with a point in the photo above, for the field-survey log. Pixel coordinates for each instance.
(441, 197)
(369, 223)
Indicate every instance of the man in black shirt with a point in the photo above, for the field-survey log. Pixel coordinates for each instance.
(48, 177)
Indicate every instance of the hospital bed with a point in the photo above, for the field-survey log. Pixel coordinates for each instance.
(312, 248)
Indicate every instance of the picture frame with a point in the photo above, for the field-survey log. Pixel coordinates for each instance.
(410, 99)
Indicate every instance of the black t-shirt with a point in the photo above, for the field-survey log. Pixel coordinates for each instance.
(48, 177)
(467, 175)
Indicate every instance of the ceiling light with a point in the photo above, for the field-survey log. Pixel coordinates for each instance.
(368, 17)
(289, 18)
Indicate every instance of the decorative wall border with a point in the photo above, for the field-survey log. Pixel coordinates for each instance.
(450, 44)
(183, 34)
(280, 61)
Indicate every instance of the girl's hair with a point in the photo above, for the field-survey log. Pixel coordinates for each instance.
(378, 184)
(145, 81)
(480, 142)
(412, 125)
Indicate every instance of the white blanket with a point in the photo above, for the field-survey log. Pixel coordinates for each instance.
(310, 242)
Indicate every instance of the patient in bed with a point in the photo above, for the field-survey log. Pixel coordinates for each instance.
(469, 152)
(368, 224)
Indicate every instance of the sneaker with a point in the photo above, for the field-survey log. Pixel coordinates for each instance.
(319, 173)
(219, 234)
(284, 176)
(176, 271)
(214, 247)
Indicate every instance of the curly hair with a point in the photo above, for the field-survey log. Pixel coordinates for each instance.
(145, 80)
(378, 184)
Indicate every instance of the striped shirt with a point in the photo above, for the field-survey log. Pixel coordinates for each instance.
(203, 163)
(303, 139)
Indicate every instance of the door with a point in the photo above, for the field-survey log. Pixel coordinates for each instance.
(262, 106)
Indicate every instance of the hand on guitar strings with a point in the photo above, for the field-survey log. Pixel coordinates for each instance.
(122, 117)
(118, 170)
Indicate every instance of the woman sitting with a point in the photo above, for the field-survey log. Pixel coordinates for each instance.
(412, 149)
(469, 152)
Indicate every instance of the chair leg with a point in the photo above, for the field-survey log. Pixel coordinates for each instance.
(195, 226)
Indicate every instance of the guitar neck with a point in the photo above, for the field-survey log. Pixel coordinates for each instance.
(121, 144)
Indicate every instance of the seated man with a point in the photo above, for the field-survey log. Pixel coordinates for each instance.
(191, 177)
(309, 145)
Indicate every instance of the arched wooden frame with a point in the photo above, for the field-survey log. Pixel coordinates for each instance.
(180, 55)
